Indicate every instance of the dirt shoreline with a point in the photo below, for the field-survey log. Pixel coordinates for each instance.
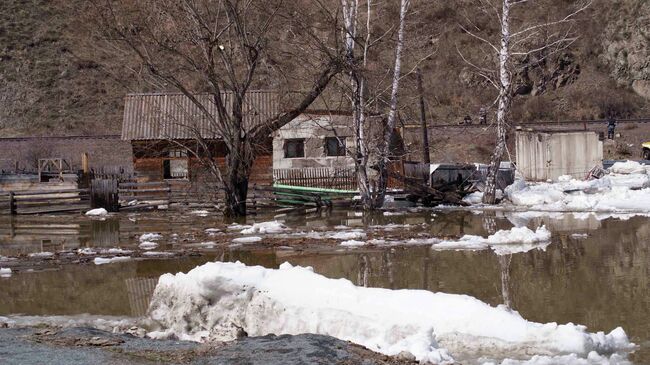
(82, 345)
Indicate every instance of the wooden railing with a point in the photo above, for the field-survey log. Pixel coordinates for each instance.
(317, 177)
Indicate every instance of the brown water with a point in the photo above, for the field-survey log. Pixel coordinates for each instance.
(601, 281)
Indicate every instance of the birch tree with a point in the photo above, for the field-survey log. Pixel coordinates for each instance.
(372, 184)
(513, 47)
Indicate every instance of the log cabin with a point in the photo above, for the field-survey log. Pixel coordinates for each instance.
(163, 129)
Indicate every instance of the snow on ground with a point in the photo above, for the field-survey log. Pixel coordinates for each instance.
(213, 231)
(248, 239)
(5, 272)
(200, 213)
(238, 227)
(150, 237)
(395, 213)
(347, 235)
(628, 167)
(514, 240)
(157, 253)
(265, 227)
(148, 245)
(97, 212)
(86, 251)
(102, 322)
(210, 302)
(41, 254)
(353, 243)
(110, 260)
(625, 190)
(116, 251)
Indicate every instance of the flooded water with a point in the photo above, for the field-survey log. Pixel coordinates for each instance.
(595, 272)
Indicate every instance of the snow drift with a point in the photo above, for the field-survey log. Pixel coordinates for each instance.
(210, 302)
(626, 189)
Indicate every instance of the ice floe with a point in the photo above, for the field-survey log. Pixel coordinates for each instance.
(110, 260)
(514, 240)
(265, 227)
(148, 245)
(212, 301)
(247, 239)
(625, 190)
(353, 243)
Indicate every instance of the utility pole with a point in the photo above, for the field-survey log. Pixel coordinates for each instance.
(423, 120)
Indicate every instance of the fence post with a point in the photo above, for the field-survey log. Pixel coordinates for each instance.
(12, 203)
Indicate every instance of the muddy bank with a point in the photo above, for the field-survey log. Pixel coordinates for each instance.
(91, 346)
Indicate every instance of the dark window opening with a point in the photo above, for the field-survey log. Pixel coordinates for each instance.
(175, 169)
(294, 148)
(335, 146)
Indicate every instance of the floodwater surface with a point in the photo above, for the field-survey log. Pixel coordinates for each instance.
(595, 271)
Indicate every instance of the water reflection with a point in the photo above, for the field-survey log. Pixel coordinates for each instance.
(601, 280)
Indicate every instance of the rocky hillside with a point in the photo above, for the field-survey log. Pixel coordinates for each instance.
(52, 81)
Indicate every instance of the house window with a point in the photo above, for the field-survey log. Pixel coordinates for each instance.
(177, 153)
(294, 148)
(335, 146)
(175, 166)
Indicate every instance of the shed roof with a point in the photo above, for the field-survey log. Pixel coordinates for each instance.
(174, 116)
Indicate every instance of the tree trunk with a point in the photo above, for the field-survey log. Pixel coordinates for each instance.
(505, 98)
(384, 158)
(423, 120)
(239, 162)
(236, 194)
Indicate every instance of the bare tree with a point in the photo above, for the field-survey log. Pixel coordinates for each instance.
(515, 47)
(372, 184)
(223, 48)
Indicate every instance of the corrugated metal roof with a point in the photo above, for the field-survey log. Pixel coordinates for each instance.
(175, 116)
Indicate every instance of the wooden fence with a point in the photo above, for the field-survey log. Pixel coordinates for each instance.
(317, 177)
(45, 201)
(417, 171)
(134, 195)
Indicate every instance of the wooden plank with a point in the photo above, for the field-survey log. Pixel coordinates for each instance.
(20, 200)
(46, 192)
(162, 190)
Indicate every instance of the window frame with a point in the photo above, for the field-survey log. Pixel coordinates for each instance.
(175, 154)
(341, 146)
(300, 153)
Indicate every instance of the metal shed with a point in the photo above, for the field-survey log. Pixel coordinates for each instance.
(549, 154)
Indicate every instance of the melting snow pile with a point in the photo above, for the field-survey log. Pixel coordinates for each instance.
(265, 227)
(211, 301)
(5, 272)
(97, 212)
(626, 189)
(514, 240)
(150, 237)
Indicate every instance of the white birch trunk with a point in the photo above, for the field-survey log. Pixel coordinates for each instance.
(505, 98)
(382, 182)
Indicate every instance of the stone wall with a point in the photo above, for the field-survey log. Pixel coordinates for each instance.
(313, 130)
